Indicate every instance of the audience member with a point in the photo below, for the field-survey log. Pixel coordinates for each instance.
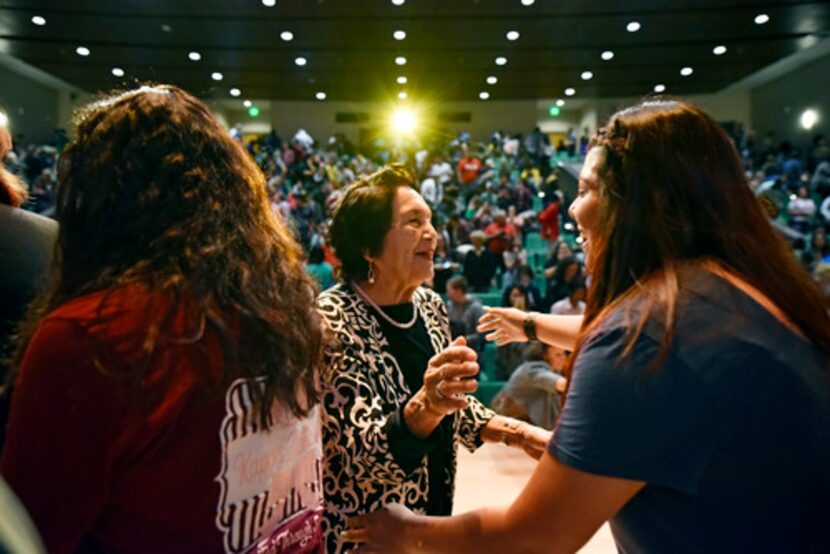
(574, 303)
(26, 244)
(464, 312)
(533, 392)
(177, 348)
(480, 264)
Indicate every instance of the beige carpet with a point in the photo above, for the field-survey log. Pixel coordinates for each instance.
(495, 475)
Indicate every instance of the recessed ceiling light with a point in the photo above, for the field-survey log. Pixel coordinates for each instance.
(527, 2)
(560, 102)
(301, 61)
(216, 76)
(402, 95)
(82, 51)
(719, 50)
(686, 71)
(400, 60)
(166, 28)
(401, 80)
(607, 55)
(501, 60)
(117, 71)
(287, 36)
(633, 27)
(512, 35)
(659, 88)
(194, 56)
(398, 2)
(236, 92)
(586, 75)
(399, 35)
(269, 3)
(492, 80)
(320, 95)
(247, 103)
(484, 95)
(570, 91)
(39, 20)
(761, 18)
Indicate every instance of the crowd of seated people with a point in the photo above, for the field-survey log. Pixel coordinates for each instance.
(489, 200)
(224, 282)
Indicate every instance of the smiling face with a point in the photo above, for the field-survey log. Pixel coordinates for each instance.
(585, 208)
(405, 260)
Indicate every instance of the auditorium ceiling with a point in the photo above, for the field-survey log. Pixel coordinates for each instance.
(450, 46)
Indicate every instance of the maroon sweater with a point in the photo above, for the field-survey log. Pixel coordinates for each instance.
(171, 461)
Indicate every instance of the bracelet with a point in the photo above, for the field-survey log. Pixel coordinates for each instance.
(530, 326)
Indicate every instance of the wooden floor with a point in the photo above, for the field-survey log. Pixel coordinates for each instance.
(495, 475)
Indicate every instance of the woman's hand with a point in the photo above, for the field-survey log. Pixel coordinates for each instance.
(504, 325)
(382, 531)
(534, 440)
(517, 434)
(447, 380)
(450, 376)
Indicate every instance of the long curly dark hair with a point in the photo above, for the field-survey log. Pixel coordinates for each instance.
(155, 193)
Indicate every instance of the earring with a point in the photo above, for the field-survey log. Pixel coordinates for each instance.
(371, 274)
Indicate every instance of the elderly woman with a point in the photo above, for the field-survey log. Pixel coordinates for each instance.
(395, 399)
(698, 414)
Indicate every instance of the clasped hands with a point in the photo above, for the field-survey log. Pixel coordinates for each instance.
(448, 379)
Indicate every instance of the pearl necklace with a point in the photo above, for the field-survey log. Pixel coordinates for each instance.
(365, 297)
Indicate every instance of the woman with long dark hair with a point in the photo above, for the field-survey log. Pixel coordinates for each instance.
(698, 412)
(167, 386)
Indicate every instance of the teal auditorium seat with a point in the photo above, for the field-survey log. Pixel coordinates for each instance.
(492, 298)
(488, 386)
(487, 390)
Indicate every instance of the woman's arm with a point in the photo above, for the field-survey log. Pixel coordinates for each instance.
(506, 325)
(516, 434)
(559, 510)
(66, 427)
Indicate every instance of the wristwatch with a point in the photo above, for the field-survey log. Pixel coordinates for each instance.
(530, 326)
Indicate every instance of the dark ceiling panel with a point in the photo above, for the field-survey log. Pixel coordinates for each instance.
(450, 46)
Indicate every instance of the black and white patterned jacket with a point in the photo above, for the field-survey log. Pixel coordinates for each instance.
(363, 386)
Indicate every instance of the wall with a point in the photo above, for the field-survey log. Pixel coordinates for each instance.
(32, 107)
(68, 102)
(37, 102)
(777, 105)
(318, 118)
(724, 106)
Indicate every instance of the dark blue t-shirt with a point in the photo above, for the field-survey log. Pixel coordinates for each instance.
(731, 432)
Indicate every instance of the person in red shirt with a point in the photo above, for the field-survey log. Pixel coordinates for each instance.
(500, 234)
(166, 394)
(468, 167)
(549, 220)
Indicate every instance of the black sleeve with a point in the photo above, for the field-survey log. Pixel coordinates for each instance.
(409, 449)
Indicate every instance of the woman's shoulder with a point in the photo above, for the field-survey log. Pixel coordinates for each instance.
(111, 305)
(337, 297)
(430, 298)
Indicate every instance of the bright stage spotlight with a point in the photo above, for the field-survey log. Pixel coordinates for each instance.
(403, 121)
(4, 120)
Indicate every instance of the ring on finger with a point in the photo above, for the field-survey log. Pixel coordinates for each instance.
(438, 392)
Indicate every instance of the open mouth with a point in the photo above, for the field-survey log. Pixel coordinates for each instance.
(425, 255)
